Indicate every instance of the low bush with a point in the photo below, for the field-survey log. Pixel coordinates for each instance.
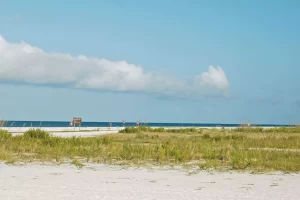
(130, 130)
(4, 134)
(37, 134)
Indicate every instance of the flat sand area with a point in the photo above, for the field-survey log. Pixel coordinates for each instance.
(96, 181)
(67, 131)
(77, 133)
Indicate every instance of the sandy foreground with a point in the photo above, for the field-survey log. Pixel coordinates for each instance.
(95, 181)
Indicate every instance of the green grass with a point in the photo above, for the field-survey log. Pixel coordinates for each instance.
(4, 135)
(77, 163)
(159, 130)
(237, 149)
(37, 134)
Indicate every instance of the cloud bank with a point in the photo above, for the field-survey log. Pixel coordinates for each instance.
(24, 63)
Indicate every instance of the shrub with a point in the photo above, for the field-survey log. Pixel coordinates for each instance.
(235, 137)
(183, 130)
(37, 133)
(130, 130)
(143, 129)
(4, 134)
(206, 136)
(283, 130)
(158, 130)
(77, 163)
(248, 129)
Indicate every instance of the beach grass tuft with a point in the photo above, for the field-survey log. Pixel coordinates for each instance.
(4, 134)
(77, 163)
(37, 134)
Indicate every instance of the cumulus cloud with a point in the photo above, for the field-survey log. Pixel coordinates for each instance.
(24, 63)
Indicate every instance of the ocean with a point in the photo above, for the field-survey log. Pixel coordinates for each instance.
(119, 124)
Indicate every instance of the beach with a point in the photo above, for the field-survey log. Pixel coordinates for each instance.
(97, 181)
(147, 163)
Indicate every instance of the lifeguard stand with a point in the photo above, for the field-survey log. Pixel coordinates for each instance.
(77, 120)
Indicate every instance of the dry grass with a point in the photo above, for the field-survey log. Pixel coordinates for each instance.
(239, 149)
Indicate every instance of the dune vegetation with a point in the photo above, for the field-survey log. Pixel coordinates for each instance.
(254, 149)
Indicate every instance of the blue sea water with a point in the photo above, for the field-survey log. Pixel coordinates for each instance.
(119, 124)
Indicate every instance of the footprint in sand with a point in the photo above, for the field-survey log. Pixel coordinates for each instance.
(274, 184)
(56, 174)
(199, 188)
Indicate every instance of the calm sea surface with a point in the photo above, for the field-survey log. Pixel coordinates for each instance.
(119, 124)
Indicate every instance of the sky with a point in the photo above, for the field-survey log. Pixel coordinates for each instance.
(160, 61)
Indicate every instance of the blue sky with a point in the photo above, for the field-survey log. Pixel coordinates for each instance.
(168, 47)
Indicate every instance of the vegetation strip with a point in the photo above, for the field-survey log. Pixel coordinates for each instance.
(256, 149)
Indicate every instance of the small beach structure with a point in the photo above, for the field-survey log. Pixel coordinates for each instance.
(76, 120)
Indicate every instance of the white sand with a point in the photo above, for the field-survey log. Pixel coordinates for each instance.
(106, 182)
(76, 134)
(67, 131)
(60, 129)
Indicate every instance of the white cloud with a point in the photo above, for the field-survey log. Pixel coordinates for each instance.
(214, 77)
(23, 63)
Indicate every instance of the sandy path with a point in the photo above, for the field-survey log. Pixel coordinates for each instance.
(105, 182)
